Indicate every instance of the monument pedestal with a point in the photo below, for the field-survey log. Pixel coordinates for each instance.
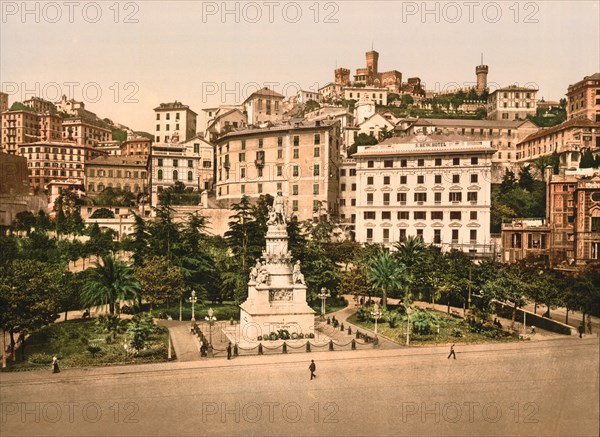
(276, 294)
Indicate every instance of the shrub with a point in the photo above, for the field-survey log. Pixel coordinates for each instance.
(40, 358)
(424, 321)
(392, 318)
(93, 350)
(457, 332)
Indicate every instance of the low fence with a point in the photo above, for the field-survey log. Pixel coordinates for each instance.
(532, 319)
(360, 341)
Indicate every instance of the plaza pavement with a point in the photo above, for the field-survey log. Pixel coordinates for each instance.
(547, 388)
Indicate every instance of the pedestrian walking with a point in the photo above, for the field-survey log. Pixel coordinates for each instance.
(55, 368)
(581, 330)
(589, 325)
(312, 369)
(452, 353)
(229, 351)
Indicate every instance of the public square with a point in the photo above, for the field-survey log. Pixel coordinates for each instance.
(542, 388)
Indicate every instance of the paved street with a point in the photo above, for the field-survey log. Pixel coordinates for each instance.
(543, 388)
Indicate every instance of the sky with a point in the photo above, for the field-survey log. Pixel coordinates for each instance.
(124, 58)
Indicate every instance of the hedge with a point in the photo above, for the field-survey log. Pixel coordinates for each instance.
(504, 310)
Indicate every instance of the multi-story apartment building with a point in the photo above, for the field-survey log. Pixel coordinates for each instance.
(503, 136)
(366, 94)
(304, 96)
(110, 147)
(583, 98)
(568, 139)
(85, 131)
(3, 102)
(53, 160)
(570, 234)
(347, 196)
(431, 187)
(189, 162)
(136, 146)
(23, 126)
(128, 173)
(332, 91)
(224, 122)
(73, 108)
(174, 118)
(512, 103)
(301, 161)
(264, 105)
(40, 105)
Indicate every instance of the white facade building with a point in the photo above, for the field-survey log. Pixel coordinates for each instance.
(304, 96)
(366, 94)
(174, 118)
(190, 163)
(435, 187)
(512, 103)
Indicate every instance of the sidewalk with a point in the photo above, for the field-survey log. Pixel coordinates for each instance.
(185, 344)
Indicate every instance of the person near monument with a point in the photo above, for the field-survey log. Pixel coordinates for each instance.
(263, 274)
(255, 270)
(312, 369)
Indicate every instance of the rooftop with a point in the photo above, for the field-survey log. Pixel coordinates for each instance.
(118, 161)
(436, 144)
(171, 106)
(498, 124)
(281, 127)
(573, 123)
(265, 92)
(515, 88)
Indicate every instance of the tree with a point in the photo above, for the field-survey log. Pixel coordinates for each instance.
(509, 182)
(108, 283)
(240, 232)
(29, 296)
(354, 280)
(114, 197)
(179, 194)
(385, 274)
(159, 280)
(541, 164)
(362, 140)
(587, 159)
(103, 213)
(525, 178)
(101, 242)
(24, 222)
(164, 232)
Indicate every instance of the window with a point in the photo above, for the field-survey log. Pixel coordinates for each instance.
(279, 141)
(420, 197)
(296, 140)
(403, 215)
(420, 233)
(315, 188)
(474, 160)
(474, 178)
(242, 157)
(242, 189)
(296, 153)
(369, 215)
(401, 197)
(473, 215)
(420, 179)
(420, 163)
(456, 179)
(353, 187)
(437, 236)
(279, 154)
(175, 163)
(455, 197)
(260, 172)
(455, 161)
(242, 172)
(420, 215)
(472, 196)
(317, 139)
(455, 215)
(438, 178)
(455, 235)
(190, 163)
(294, 205)
(317, 152)
(437, 197)
(160, 175)
(243, 144)
(402, 235)
(388, 163)
(294, 190)
(175, 175)
(437, 215)
(386, 215)
(342, 187)
(160, 162)
(369, 235)
(190, 176)
(438, 162)
(370, 180)
(386, 180)
(279, 170)
(370, 164)
(386, 198)
(403, 163)
(369, 198)
(295, 171)
(473, 235)
(260, 188)
(386, 235)
(403, 180)
(595, 224)
(317, 170)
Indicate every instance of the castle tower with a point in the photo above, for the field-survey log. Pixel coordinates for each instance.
(372, 61)
(342, 76)
(481, 71)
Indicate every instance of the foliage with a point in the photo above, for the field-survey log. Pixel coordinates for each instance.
(114, 197)
(159, 280)
(103, 213)
(179, 194)
(362, 140)
(423, 321)
(108, 283)
(138, 331)
(387, 275)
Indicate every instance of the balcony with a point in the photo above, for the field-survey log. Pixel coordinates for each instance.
(259, 163)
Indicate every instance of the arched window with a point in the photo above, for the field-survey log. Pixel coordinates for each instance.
(190, 176)
(175, 175)
(160, 175)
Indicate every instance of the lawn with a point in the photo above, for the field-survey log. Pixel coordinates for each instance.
(451, 330)
(69, 341)
(222, 311)
(332, 304)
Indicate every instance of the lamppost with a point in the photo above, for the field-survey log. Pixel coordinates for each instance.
(193, 299)
(408, 313)
(210, 319)
(323, 295)
(376, 315)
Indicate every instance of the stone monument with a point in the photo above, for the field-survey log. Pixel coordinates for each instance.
(276, 290)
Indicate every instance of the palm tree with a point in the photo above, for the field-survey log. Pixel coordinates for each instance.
(108, 283)
(385, 273)
(410, 251)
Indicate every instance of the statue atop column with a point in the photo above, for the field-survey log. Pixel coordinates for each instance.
(279, 209)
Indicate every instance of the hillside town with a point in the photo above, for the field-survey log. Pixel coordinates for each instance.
(379, 157)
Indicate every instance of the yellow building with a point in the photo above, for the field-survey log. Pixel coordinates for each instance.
(583, 98)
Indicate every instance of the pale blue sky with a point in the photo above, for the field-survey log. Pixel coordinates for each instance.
(178, 50)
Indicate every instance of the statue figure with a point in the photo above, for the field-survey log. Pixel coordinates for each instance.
(254, 271)
(297, 276)
(279, 209)
(272, 216)
(263, 274)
